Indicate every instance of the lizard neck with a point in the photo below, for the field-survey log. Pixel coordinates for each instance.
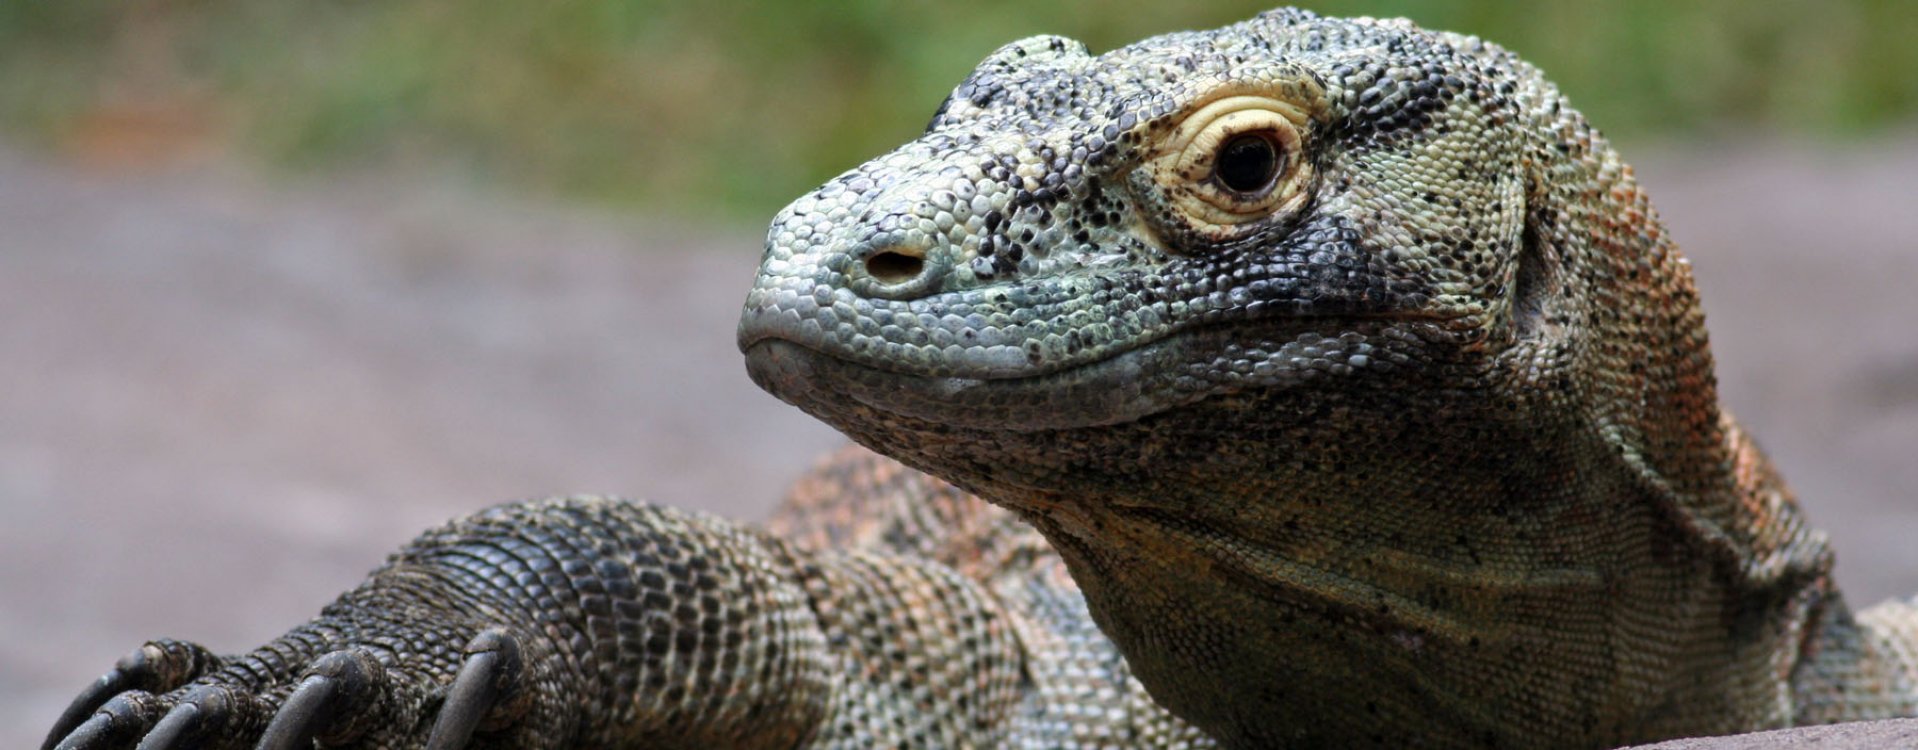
(1442, 576)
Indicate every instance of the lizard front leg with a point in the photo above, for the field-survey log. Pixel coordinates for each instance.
(564, 623)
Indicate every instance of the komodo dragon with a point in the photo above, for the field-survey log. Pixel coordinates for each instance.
(1332, 383)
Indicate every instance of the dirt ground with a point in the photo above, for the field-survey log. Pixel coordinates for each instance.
(223, 399)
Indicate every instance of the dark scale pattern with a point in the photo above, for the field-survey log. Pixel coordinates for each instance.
(1417, 445)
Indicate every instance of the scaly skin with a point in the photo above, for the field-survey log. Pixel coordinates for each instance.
(1347, 382)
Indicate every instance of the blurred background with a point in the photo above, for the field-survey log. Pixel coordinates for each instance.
(284, 283)
(727, 110)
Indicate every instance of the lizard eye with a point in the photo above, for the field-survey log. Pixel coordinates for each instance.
(1236, 160)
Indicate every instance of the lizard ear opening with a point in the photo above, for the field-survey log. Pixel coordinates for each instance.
(1534, 281)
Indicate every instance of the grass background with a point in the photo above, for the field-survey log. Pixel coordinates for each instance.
(726, 110)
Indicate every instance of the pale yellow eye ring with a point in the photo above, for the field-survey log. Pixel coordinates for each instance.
(1186, 166)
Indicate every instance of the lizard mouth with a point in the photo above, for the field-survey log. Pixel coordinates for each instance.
(1104, 392)
(1153, 376)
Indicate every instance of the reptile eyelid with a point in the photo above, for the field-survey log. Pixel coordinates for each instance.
(1183, 166)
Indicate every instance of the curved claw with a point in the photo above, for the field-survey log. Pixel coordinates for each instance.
(177, 723)
(111, 684)
(201, 712)
(94, 732)
(488, 680)
(157, 667)
(120, 719)
(335, 683)
(310, 706)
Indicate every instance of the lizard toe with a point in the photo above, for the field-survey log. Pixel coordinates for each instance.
(202, 712)
(484, 694)
(336, 687)
(117, 723)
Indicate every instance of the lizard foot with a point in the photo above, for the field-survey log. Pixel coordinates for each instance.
(168, 695)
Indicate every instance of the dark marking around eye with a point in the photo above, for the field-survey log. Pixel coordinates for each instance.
(1247, 164)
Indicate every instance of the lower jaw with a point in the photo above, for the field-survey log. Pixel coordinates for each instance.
(1123, 388)
(1154, 377)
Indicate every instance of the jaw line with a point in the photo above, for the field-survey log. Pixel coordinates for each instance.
(823, 384)
(1142, 380)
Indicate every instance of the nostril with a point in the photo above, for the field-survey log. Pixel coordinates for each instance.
(896, 266)
(898, 272)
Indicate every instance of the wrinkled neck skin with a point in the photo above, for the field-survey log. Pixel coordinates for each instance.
(1313, 566)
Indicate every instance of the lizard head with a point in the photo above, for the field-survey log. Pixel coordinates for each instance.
(1322, 349)
(1081, 241)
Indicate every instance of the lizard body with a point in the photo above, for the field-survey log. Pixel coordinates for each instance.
(1306, 382)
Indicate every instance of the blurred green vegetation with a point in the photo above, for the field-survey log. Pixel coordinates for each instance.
(724, 109)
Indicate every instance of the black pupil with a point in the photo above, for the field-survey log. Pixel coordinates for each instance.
(1247, 164)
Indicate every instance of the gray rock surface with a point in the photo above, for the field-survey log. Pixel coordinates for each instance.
(222, 400)
(1868, 735)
